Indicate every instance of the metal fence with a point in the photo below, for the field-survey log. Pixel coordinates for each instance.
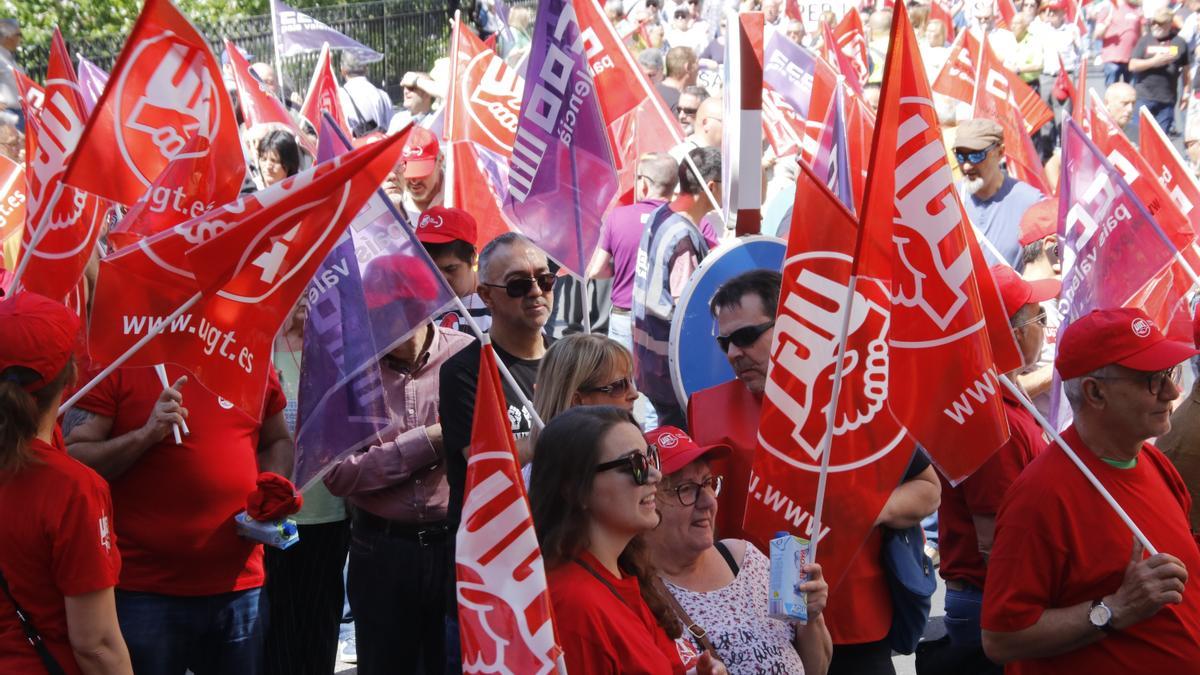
(411, 34)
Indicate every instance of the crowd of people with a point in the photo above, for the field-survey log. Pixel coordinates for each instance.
(119, 552)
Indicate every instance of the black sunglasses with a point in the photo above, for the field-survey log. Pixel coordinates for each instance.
(519, 288)
(636, 462)
(744, 336)
(975, 156)
(687, 111)
(612, 388)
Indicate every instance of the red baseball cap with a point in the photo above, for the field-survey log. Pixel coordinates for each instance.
(676, 449)
(1017, 292)
(1040, 221)
(442, 224)
(36, 333)
(420, 153)
(1124, 336)
(395, 277)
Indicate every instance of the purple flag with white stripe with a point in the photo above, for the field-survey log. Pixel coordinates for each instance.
(299, 33)
(831, 162)
(561, 176)
(92, 81)
(374, 289)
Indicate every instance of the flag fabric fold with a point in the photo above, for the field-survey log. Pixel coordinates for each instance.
(259, 106)
(92, 81)
(323, 95)
(298, 33)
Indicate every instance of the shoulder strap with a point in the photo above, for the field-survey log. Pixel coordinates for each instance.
(694, 629)
(724, 551)
(31, 633)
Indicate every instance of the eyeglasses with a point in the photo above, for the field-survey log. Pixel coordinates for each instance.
(520, 287)
(636, 462)
(744, 336)
(687, 112)
(1040, 319)
(1154, 381)
(973, 157)
(617, 388)
(689, 492)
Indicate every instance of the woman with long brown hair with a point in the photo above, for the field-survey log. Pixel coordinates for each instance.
(58, 557)
(593, 493)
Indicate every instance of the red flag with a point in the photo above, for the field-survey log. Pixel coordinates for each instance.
(791, 9)
(637, 118)
(860, 129)
(1063, 81)
(957, 80)
(946, 317)
(1005, 13)
(61, 223)
(165, 87)
(481, 125)
(32, 93)
(1079, 100)
(869, 450)
(849, 67)
(13, 196)
(247, 262)
(505, 619)
(942, 10)
(851, 40)
(994, 101)
(183, 191)
(1169, 168)
(323, 95)
(259, 105)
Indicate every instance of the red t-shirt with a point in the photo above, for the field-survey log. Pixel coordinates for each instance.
(602, 633)
(57, 541)
(175, 505)
(981, 494)
(727, 414)
(1058, 544)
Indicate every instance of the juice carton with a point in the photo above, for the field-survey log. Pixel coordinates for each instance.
(785, 601)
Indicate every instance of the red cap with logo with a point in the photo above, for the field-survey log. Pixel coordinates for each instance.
(420, 153)
(676, 449)
(1124, 336)
(442, 224)
(36, 333)
(1017, 292)
(390, 278)
(1040, 221)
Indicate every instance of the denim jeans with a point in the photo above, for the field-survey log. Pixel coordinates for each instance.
(962, 616)
(209, 634)
(1116, 71)
(1164, 113)
(397, 589)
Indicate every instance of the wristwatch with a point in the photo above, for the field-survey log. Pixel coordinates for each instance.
(1101, 616)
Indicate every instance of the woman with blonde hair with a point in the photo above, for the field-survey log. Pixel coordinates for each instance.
(584, 369)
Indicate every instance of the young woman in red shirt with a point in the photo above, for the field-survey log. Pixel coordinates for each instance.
(593, 494)
(58, 558)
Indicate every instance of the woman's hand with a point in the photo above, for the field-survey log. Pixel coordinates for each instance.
(817, 590)
(709, 664)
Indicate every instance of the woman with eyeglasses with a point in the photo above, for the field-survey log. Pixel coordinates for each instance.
(593, 495)
(720, 587)
(584, 369)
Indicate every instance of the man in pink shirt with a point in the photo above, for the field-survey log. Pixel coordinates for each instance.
(1119, 27)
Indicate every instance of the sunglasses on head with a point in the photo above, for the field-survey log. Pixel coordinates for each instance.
(744, 336)
(637, 463)
(520, 287)
(974, 157)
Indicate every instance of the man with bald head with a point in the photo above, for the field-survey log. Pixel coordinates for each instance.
(621, 232)
(1118, 100)
(706, 130)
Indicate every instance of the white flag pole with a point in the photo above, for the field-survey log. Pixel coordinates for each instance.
(1023, 399)
(276, 35)
(161, 370)
(154, 332)
(39, 233)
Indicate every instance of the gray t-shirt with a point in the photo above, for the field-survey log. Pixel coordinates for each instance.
(999, 218)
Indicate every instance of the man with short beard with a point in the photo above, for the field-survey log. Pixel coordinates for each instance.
(416, 183)
(994, 200)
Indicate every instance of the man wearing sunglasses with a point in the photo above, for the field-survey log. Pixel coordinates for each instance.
(1069, 589)
(744, 309)
(994, 200)
(967, 515)
(672, 247)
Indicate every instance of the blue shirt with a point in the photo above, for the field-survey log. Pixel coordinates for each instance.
(999, 218)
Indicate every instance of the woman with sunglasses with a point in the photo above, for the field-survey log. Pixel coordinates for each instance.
(593, 495)
(720, 587)
(584, 369)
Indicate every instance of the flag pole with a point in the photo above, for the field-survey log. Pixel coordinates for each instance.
(712, 201)
(583, 264)
(108, 370)
(161, 370)
(39, 233)
(1023, 399)
(275, 31)
(504, 371)
(827, 437)
(448, 173)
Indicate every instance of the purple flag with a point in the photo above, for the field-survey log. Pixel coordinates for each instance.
(790, 71)
(1110, 246)
(374, 289)
(92, 81)
(831, 162)
(561, 176)
(299, 33)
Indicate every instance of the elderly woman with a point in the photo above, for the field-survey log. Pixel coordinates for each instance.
(721, 586)
(593, 498)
